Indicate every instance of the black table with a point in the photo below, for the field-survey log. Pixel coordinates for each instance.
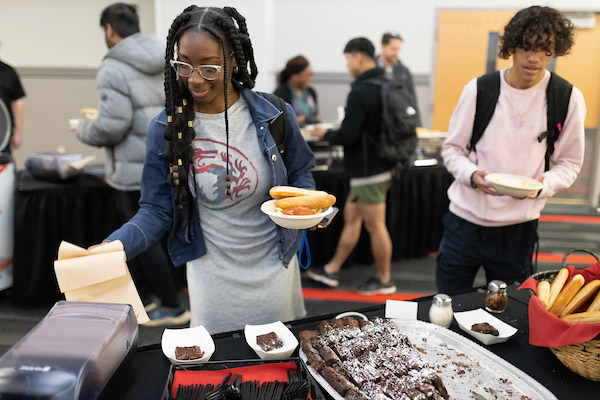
(81, 211)
(416, 203)
(150, 369)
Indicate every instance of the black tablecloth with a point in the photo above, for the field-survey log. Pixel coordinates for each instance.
(149, 372)
(416, 203)
(81, 211)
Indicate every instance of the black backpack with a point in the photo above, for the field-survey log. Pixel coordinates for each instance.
(277, 126)
(558, 94)
(400, 119)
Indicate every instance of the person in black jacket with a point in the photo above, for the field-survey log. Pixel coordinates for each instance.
(370, 177)
(391, 44)
(294, 88)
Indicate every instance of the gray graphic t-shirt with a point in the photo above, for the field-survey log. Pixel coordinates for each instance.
(241, 279)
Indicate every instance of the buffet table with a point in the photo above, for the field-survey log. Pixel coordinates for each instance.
(150, 369)
(80, 211)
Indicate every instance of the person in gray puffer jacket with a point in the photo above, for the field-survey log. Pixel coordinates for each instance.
(130, 94)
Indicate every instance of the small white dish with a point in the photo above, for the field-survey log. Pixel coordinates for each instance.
(185, 337)
(352, 314)
(514, 185)
(466, 320)
(292, 221)
(285, 335)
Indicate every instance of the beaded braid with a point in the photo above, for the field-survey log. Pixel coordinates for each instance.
(179, 102)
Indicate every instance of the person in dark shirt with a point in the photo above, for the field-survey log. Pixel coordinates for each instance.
(12, 94)
(294, 87)
(391, 44)
(370, 177)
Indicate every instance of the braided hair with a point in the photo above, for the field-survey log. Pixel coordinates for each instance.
(220, 24)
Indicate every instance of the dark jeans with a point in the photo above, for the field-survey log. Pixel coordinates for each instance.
(504, 252)
(151, 270)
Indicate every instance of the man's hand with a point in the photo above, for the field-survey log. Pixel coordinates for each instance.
(16, 140)
(318, 132)
(535, 195)
(483, 185)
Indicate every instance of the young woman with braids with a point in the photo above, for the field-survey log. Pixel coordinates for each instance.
(210, 162)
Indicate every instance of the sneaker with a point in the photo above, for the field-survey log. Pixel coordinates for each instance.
(374, 286)
(163, 316)
(319, 274)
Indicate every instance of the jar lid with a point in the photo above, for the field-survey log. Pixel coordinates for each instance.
(442, 299)
(496, 286)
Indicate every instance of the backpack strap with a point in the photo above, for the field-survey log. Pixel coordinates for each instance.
(488, 91)
(558, 95)
(277, 126)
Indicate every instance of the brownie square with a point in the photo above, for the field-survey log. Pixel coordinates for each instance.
(188, 353)
(269, 341)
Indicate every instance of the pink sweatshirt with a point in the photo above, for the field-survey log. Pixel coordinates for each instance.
(510, 145)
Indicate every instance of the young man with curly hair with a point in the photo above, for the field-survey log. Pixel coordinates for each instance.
(482, 227)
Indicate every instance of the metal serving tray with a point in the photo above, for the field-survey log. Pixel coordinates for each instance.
(465, 366)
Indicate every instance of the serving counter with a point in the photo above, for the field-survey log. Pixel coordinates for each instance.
(150, 369)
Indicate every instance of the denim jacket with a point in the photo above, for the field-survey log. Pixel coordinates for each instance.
(158, 214)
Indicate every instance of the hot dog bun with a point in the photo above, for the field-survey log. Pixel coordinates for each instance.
(543, 292)
(89, 112)
(566, 294)
(581, 297)
(590, 317)
(280, 192)
(557, 286)
(310, 201)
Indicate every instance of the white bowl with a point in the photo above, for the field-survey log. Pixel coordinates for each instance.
(285, 335)
(514, 185)
(185, 337)
(466, 319)
(292, 221)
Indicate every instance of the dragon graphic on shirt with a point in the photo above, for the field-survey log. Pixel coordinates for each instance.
(209, 167)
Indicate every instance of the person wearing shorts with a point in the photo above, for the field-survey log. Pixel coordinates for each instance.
(370, 177)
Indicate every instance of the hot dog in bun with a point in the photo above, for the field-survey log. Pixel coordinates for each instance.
(297, 201)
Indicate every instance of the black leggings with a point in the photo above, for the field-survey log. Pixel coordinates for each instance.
(151, 270)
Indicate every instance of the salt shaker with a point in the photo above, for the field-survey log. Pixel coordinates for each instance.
(495, 300)
(441, 312)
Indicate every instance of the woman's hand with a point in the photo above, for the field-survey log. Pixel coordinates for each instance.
(97, 245)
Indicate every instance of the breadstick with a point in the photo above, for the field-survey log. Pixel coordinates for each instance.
(566, 294)
(590, 317)
(581, 297)
(543, 291)
(595, 306)
(557, 286)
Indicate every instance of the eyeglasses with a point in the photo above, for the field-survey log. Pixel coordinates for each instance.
(393, 34)
(208, 72)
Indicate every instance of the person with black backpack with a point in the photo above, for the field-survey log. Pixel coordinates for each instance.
(370, 176)
(521, 120)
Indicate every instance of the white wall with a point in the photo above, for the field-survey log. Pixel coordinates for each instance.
(319, 29)
(58, 33)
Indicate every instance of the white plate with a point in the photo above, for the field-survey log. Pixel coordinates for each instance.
(185, 337)
(466, 320)
(285, 335)
(292, 221)
(514, 185)
(442, 347)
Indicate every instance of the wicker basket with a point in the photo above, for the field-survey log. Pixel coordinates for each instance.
(581, 358)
